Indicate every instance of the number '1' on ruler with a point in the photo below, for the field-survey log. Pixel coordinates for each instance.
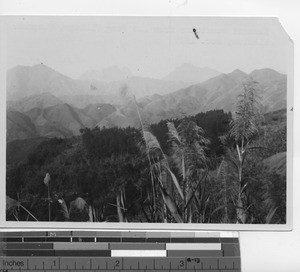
(119, 251)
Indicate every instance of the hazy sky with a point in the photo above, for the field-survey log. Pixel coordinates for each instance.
(148, 46)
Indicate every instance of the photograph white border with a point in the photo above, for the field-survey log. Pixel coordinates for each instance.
(146, 226)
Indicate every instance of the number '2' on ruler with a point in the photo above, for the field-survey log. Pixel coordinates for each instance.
(119, 251)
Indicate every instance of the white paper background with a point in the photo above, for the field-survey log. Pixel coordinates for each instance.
(261, 251)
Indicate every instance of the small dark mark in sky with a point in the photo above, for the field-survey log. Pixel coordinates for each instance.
(195, 32)
(292, 109)
(92, 87)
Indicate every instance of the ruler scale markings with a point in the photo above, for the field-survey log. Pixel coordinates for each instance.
(209, 263)
(229, 263)
(102, 263)
(177, 263)
(179, 249)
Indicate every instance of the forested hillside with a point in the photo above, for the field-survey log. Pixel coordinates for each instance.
(209, 168)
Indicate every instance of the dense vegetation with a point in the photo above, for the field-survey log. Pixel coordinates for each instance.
(209, 168)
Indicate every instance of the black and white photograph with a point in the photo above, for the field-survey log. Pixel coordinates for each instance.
(158, 119)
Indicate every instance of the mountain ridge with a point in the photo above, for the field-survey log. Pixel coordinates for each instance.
(66, 115)
(23, 81)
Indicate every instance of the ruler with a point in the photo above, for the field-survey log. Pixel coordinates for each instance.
(68, 251)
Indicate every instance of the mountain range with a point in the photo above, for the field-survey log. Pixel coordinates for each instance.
(24, 81)
(220, 92)
(49, 104)
(47, 116)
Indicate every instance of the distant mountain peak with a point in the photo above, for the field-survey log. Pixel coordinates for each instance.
(43, 67)
(23, 81)
(237, 72)
(265, 70)
(188, 72)
(266, 75)
(238, 75)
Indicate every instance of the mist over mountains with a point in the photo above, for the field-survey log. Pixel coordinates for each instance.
(113, 73)
(44, 103)
(23, 81)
